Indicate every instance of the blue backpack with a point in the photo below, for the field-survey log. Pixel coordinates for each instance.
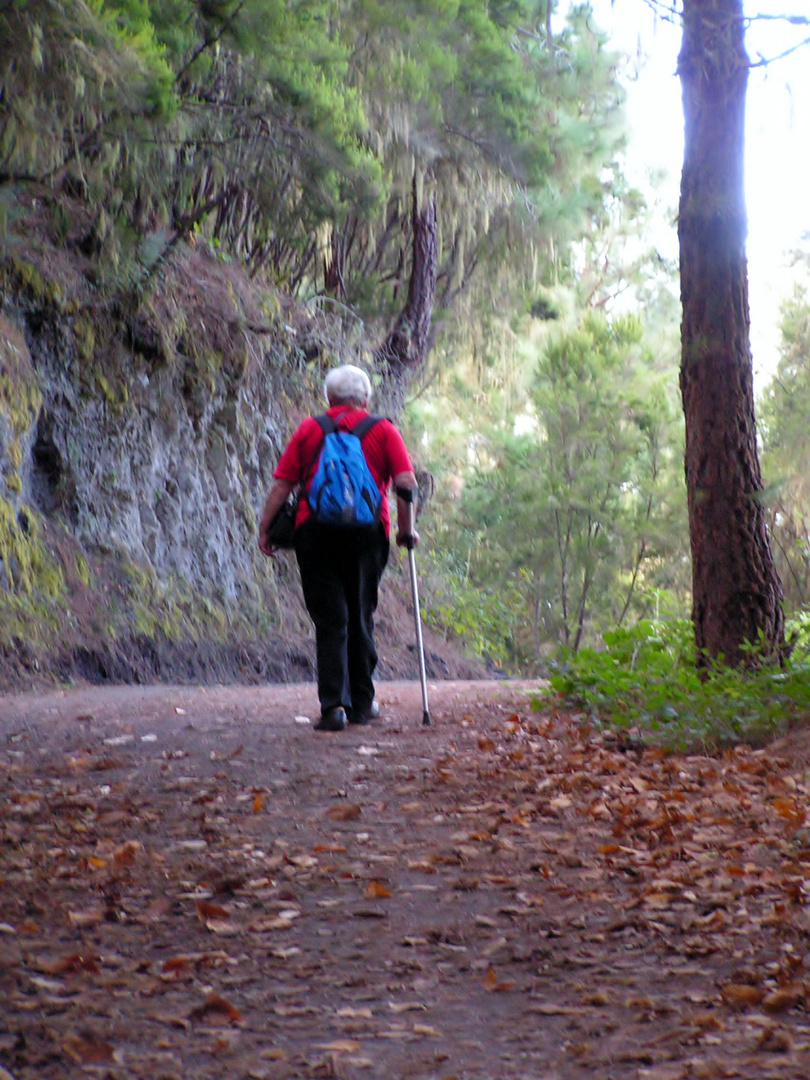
(343, 491)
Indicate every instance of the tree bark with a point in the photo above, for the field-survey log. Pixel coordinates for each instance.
(405, 349)
(737, 593)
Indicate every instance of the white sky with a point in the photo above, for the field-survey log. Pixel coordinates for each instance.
(777, 150)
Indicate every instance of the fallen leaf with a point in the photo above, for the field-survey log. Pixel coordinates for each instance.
(551, 1008)
(303, 862)
(216, 1009)
(68, 965)
(775, 1041)
(340, 1046)
(124, 854)
(85, 918)
(88, 1051)
(285, 954)
(789, 810)
(597, 998)
(177, 963)
(783, 999)
(270, 922)
(425, 1029)
(493, 985)
(667, 1071)
(741, 996)
(560, 802)
(377, 891)
(221, 926)
(258, 803)
(344, 811)
(406, 1006)
(207, 911)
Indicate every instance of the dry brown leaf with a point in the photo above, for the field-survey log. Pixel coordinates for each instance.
(340, 1046)
(706, 1022)
(207, 911)
(665, 1071)
(551, 1008)
(560, 802)
(406, 1006)
(88, 1051)
(774, 1040)
(787, 997)
(82, 919)
(68, 965)
(221, 926)
(426, 1029)
(741, 996)
(270, 922)
(177, 963)
(492, 984)
(216, 1010)
(303, 862)
(424, 866)
(790, 810)
(258, 803)
(124, 854)
(375, 890)
(344, 811)
(599, 998)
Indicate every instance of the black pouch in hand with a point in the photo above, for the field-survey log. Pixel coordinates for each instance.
(281, 531)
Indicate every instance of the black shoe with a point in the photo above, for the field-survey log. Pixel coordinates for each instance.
(333, 719)
(366, 715)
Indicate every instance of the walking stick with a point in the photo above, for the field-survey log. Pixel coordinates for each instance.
(408, 495)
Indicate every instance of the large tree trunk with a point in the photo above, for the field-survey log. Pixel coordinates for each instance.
(405, 349)
(737, 594)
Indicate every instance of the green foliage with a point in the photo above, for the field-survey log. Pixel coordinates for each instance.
(645, 677)
(292, 134)
(783, 415)
(483, 619)
(586, 503)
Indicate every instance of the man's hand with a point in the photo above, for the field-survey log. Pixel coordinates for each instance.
(405, 490)
(266, 547)
(407, 540)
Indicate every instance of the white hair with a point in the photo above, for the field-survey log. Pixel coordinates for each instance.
(347, 385)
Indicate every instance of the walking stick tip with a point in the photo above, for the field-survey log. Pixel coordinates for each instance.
(426, 718)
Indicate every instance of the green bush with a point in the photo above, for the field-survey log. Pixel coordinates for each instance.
(483, 619)
(647, 678)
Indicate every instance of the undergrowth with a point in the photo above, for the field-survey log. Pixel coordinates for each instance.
(646, 678)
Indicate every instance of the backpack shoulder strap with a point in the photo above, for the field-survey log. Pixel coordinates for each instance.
(365, 425)
(327, 424)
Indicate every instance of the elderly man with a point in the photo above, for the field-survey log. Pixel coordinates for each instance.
(341, 566)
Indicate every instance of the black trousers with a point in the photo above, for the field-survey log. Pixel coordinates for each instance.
(341, 571)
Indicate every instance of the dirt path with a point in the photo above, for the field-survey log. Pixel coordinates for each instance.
(193, 883)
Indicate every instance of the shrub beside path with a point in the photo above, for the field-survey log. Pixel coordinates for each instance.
(193, 883)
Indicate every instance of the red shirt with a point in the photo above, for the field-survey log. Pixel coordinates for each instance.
(383, 446)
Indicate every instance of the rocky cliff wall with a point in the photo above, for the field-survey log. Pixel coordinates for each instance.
(140, 441)
(137, 443)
